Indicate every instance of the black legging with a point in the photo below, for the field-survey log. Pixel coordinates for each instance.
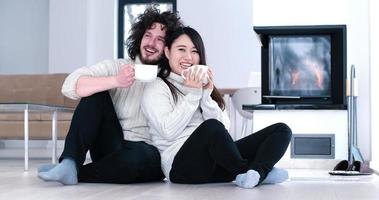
(96, 128)
(210, 155)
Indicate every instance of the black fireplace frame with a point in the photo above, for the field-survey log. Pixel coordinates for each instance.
(337, 34)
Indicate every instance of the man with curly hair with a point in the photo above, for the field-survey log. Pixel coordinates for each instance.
(108, 121)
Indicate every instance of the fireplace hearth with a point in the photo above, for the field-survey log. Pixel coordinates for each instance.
(303, 67)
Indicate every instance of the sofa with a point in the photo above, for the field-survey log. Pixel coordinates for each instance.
(38, 89)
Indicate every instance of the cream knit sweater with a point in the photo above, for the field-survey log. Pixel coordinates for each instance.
(170, 123)
(126, 101)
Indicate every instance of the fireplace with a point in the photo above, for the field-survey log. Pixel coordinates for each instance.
(303, 67)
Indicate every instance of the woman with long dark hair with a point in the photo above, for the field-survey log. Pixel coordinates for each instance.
(186, 119)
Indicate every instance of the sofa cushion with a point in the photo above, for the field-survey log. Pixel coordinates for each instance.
(62, 116)
(38, 89)
(37, 129)
(34, 88)
(19, 116)
(34, 116)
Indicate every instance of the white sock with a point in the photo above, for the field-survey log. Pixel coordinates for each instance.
(247, 180)
(65, 173)
(276, 175)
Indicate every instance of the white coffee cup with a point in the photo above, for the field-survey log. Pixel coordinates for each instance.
(202, 72)
(145, 73)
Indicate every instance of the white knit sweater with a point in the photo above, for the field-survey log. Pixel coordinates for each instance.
(126, 101)
(170, 123)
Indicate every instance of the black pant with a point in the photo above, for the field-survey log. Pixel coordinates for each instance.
(210, 155)
(96, 128)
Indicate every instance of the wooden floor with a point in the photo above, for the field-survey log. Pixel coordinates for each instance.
(303, 184)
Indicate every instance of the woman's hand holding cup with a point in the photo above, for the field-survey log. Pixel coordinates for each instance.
(196, 76)
(209, 84)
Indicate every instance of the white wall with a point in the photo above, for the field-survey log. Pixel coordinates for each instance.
(68, 35)
(23, 36)
(374, 63)
(100, 30)
(81, 33)
(358, 53)
(298, 12)
(227, 29)
(350, 12)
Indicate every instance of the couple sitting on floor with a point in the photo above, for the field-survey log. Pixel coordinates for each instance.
(173, 127)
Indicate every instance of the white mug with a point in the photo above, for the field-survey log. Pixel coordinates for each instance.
(202, 69)
(145, 73)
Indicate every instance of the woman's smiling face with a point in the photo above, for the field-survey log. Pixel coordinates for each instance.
(182, 54)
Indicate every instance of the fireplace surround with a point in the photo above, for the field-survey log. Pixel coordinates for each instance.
(303, 67)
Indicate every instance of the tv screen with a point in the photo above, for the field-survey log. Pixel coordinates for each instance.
(300, 65)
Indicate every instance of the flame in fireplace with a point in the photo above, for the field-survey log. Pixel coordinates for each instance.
(312, 72)
(295, 78)
(317, 70)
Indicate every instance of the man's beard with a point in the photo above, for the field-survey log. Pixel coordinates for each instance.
(148, 61)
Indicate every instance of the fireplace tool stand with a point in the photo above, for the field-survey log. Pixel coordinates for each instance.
(355, 164)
